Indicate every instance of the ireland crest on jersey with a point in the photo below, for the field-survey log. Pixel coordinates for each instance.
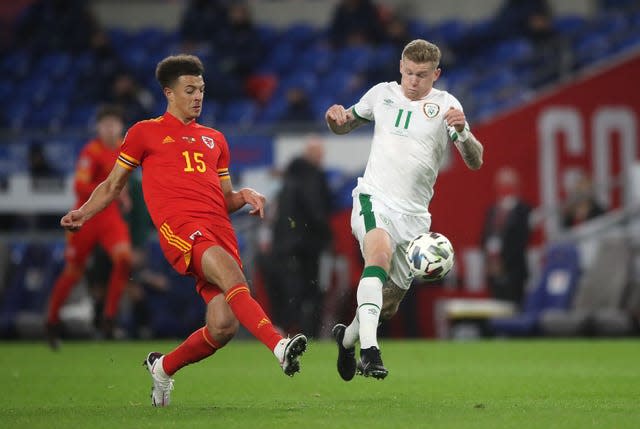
(431, 110)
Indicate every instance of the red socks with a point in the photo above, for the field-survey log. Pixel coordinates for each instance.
(198, 346)
(251, 315)
(60, 293)
(117, 282)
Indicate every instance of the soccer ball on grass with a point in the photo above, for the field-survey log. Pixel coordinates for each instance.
(430, 256)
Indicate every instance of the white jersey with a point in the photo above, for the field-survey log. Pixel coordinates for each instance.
(409, 143)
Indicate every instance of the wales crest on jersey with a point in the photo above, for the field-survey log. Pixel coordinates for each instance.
(208, 141)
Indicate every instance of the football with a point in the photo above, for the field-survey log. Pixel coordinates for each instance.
(430, 256)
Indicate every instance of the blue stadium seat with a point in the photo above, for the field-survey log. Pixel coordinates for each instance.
(299, 34)
(569, 25)
(354, 58)
(318, 59)
(449, 30)
(274, 110)
(81, 116)
(280, 60)
(512, 51)
(54, 64)
(591, 48)
(34, 267)
(178, 311)
(418, 29)
(558, 281)
(239, 112)
(16, 64)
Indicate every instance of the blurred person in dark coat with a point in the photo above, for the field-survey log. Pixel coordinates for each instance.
(301, 232)
(581, 204)
(504, 239)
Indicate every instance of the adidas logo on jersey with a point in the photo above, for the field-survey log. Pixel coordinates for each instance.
(168, 139)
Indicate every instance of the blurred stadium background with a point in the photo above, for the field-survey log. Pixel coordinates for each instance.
(545, 106)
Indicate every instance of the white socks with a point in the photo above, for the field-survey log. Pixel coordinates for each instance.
(369, 304)
(278, 350)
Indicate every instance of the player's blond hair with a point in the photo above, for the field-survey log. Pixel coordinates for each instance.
(420, 51)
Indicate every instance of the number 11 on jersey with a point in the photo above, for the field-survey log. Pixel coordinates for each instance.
(399, 118)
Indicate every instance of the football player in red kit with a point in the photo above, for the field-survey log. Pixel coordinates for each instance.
(107, 228)
(188, 191)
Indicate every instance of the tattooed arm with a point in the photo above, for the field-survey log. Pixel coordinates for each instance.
(341, 120)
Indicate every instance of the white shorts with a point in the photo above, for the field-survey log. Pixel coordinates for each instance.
(369, 212)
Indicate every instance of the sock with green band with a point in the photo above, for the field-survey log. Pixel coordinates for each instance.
(369, 304)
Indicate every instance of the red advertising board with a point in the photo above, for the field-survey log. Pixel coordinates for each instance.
(590, 123)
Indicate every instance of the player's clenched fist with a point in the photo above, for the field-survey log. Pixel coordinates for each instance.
(338, 114)
(73, 220)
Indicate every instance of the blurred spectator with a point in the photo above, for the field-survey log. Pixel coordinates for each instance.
(355, 22)
(396, 30)
(39, 166)
(531, 19)
(298, 106)
(581, 204)
(504, 239)
(135, 101)
(301, 232)
(236, 52)
(202, 22)
(144, 277)
(49, 25)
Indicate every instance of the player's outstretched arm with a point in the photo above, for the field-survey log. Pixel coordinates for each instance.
(101, 197)
(341, 120)
(235, 200)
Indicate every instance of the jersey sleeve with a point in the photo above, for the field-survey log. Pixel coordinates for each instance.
(132, 150)
(225, 158)
(453, 102)
(363, 109)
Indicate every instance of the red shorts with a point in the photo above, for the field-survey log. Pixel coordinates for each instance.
(184, 243)
(107, 229)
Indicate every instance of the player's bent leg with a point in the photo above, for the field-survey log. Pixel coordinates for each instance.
(121, 256)
(220, 268)
(392, 296)
(69, 277)
(221, 322)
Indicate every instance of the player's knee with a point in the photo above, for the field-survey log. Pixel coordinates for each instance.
(72, 269)
(123, 259)
(223, 330)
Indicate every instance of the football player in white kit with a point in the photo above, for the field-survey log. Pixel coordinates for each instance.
(414, 123)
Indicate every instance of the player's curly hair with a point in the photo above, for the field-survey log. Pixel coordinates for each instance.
(420, 51)
(174, 66)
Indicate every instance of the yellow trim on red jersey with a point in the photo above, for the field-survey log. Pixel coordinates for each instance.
(174, 240)
(128, 162)
(223, 173)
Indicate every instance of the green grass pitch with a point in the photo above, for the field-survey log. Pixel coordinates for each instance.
(483, 384)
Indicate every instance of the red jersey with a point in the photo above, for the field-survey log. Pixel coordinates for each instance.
(94, 165)
(182, 166)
